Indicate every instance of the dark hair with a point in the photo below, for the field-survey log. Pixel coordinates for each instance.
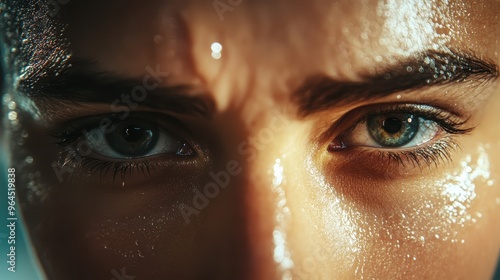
(31, 35)
(11, 16)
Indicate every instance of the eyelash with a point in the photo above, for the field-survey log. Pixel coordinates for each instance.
(438, 151)
(102, 167)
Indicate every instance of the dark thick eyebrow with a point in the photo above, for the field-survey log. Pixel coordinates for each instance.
(81, 83)
(428, 69)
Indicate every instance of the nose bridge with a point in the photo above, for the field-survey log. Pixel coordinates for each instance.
(264, 179)
(263, 193)
(267, 182)
(243, 218)
(251, 126)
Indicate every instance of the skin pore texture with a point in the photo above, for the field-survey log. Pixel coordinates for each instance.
(306, 197)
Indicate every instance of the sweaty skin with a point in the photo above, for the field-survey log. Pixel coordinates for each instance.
(287, 206)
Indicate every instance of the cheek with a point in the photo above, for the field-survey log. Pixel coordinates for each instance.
(79, 220)
(422, 223)
(140, 230)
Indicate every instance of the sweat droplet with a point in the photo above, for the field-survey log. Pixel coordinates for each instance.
(11, 105)
(7, 98)
(12, 116)
(158, 39)
(216, 48)
(29, 159)
(282, 255)
(216, 55)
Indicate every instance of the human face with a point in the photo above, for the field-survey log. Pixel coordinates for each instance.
(325, 140)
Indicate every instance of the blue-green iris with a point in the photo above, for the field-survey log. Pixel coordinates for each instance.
(133, 139)
(393, 130)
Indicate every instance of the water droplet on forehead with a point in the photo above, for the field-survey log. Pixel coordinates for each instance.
(29, 159)
(216, 49)
(12, 115)
(7, 98)
(158, 39)
(11, 105)
(216, 55)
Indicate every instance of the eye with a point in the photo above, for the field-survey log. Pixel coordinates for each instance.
(134, 148)
(396, 126)
(393, 130)
(135, 138)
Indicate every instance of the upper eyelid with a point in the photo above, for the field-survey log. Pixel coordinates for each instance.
(73, 128)
(423, 126)
(350, 119)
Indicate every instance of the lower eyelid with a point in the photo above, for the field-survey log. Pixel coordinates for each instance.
(366, 163)
(434, 150)
(435, 153)
(97, 170)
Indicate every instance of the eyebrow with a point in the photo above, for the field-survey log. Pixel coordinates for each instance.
(427, 69)
(81, 83)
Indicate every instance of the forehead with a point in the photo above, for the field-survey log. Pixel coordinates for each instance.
(359, 32)
(343, 38)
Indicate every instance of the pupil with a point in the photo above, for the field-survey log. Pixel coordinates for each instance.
(134, 134)
(133, 140)
(393, 130)
(392, 125)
